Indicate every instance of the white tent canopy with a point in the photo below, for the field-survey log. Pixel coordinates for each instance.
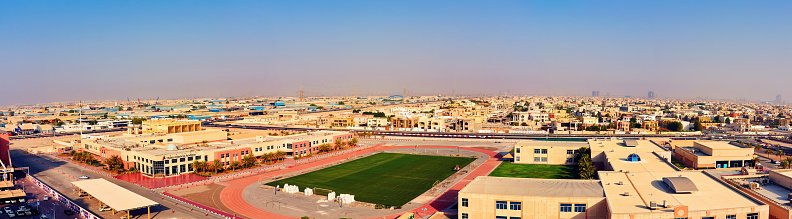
(113, 195)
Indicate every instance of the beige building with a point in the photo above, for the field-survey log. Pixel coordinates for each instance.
(168, 126)
(676, 194)
(172, 154)
(640, 182)
(714, 154)
(512, 198)
(547, 152)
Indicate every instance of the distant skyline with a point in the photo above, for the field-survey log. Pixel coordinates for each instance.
(91, 50)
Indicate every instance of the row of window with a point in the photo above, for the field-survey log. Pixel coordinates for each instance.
(731, 216)
(571, 207)
(466, 216)
(540, 151)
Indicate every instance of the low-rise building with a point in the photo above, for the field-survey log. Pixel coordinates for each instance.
(714, 154)
(547, 152)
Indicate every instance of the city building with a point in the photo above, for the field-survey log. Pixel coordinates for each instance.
(713, 154)
(171, 154)
(512, 198)
(170, 126)
(547, 152)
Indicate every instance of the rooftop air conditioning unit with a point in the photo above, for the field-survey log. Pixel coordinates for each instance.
(653, 205)
(626, 193)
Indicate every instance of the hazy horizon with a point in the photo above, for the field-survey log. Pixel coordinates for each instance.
(60, 51)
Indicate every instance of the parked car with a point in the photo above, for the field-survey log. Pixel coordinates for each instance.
(20, 212)
(85, 177)
(68, 212)
(44, 217)
(28, 213)
(46, 198)
(11, 214)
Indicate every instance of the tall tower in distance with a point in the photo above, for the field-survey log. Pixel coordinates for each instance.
(595, 93)
(651, 95)
(778, 99)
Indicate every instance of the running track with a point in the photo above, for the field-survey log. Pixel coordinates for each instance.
(232, 198)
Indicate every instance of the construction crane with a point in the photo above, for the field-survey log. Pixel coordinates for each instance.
(156, 102)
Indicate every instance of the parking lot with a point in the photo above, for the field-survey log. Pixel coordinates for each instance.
(34, 204)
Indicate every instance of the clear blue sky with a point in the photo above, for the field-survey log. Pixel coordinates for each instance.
(70, 50)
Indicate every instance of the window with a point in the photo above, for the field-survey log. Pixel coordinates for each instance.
(544, 151)
(580, 207)
(465, 216)
(170, 140)
(500, 204)
(197, 157)
(464, 202)
(537, 159)
(731, 216)
(190, 158)
(501, 217)
(570, 152)
(515, 206)
(222, 156)
(517, 158)
(514, 217)
(753, 216)
(544, 159)
(566, 208)
(570, 160)
(181, 159)
(517, 150)
(707, 217)
(537, 151)
(166, 161)
(174, 160)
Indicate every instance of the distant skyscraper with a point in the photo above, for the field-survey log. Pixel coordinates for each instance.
(651, 94)
(778, 98)
(595, 93)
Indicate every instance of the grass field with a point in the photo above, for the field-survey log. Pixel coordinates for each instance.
(385, 178)
(508, 169)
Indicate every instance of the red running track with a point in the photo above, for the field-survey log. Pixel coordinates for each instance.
(232, 198)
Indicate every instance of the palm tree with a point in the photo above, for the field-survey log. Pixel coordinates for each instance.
(325, 147)
(768, 151)
(785, 164)
(216, 165)
(353, 142)
(755, 160)
(280, 155)
(780, 153)
(234, 165)
(248, 160)
(788, 161)
(338, 143)
(196, 166)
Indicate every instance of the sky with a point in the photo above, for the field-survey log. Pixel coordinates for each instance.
(90, 50)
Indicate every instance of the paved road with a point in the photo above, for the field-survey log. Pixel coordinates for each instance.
(40, 168)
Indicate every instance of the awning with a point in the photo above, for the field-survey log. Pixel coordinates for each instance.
(12, 194)
(113, 195)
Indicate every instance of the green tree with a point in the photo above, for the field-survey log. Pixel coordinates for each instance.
(755, 160)
(697, 126)
(674, 126)
(352, 142)
(325, 147)
(728, 120)
(114, 163)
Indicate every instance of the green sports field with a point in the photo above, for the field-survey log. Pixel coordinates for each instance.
(384, 178)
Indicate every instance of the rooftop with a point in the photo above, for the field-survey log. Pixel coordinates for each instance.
(535, 187)
(113, 195)
(573, 144)
(645, 187)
